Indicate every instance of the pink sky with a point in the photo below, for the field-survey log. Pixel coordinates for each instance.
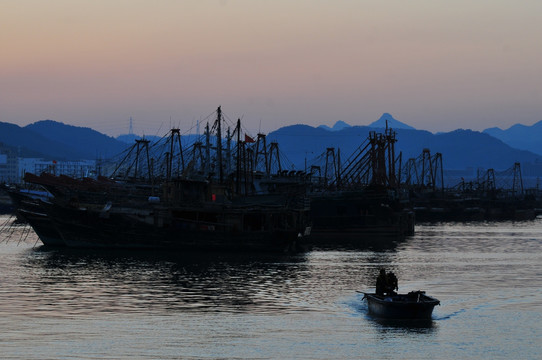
(435, 65)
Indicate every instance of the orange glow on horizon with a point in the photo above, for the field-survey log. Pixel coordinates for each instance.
(277, 63)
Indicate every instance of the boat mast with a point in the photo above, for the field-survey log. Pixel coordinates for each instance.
(207, 151)
(219, 144)
(228, 152)
(339, 169)
(170, 158)
(238, 164)
(180, 151)
(261, 149)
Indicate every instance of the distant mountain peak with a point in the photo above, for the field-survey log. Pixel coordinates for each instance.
(386, 116)
(339, 125)
(392, 123)
(84, 142)
(520, 136)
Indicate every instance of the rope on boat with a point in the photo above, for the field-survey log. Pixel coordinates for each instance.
(36, 242)
(6, 223)
(11, 227)
(26, 230)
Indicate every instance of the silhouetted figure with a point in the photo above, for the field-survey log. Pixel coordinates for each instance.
(381, 282)
(386, 283)
(391, 283)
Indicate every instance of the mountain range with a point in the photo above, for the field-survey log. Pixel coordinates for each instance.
(460, 148)
(385, 121)
(302, 144)
(520, 136)
(53, 140)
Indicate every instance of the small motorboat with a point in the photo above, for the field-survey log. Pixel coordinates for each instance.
(414, 305)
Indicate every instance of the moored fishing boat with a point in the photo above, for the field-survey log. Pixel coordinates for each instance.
(29, 208)
(360, 198)
(208, 227)
(158, 201)
(414, 305)
(43, 226)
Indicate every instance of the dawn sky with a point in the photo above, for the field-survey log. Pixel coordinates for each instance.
(435, 65)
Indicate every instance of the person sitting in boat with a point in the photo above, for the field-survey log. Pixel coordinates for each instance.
(386, 283)
(381, 282)
(391, 283)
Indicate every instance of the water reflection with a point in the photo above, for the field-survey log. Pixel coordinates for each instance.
(361, 243)
(67, 281)
(99, 304)
(425, 326)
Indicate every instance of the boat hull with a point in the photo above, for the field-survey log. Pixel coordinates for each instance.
(142, 228)
(414, 305)
(29, 209)
(43, 227)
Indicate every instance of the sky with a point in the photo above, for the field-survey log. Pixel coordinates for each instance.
(433, 64)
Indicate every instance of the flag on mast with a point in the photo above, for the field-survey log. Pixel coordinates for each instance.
(248, 139)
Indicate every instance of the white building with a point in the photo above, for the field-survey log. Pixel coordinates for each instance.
(76, 169)
(8, 165)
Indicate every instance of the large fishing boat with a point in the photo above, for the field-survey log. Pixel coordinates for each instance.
(360, 199)
(155, 201)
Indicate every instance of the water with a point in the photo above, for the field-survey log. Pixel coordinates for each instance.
(58, 304)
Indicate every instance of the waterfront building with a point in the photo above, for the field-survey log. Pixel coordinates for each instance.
(8, 164)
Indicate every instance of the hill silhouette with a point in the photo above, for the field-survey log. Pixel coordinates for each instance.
(520, 136)
(387, 120)
(300, 145)
(339, 125)
(85, 142)
(461, 149)
(30, 144)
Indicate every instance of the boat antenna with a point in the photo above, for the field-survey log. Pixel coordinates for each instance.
(219, 143)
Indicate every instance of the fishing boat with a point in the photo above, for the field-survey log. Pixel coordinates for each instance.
(28, 208)
(153, 199)
(414, 305)
(360, 198)
(257, 223)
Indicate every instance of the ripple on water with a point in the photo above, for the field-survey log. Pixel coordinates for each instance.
(58, 303)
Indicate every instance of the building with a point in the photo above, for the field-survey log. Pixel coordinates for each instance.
(8, 165)
(76, 169)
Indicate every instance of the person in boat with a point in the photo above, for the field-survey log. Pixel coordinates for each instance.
(386, 283)
(391, 283)
(381, 282)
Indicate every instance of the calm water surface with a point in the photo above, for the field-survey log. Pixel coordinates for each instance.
(58, 304)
